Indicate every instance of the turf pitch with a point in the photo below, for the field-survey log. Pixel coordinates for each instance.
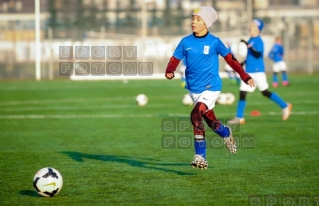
(110, 151)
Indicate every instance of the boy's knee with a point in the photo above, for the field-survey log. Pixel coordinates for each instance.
(199, 110)
(242, 95)
(266, 93)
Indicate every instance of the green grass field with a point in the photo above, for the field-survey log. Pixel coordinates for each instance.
(110, 151)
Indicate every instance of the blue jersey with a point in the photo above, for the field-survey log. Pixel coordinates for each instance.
(277, 53)
(201, 60)
(254, 64)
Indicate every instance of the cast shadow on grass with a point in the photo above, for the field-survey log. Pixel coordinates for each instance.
(31, 193)
(79, 157)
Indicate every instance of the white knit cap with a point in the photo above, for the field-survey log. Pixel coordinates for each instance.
(208, 14)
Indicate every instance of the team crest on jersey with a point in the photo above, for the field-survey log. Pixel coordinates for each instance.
(206, 50)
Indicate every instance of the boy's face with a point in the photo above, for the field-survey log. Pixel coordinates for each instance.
(253, 30)
(278, 41)
(198, 25)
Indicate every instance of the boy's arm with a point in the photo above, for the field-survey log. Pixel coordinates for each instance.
(235, 65)
(171, 67)
(255, 53)
(271, 54)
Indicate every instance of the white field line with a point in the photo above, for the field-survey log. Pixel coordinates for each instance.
(69, 108)
(79, 100)
(111, 116)
(74, 100)
(127, 98)
(102, 107)
(105, 116)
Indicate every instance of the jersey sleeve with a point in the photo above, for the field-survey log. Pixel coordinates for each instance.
(271, 54)
(221, 48)
(179, 51)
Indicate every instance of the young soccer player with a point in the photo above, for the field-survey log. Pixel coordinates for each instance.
(182, 72)
(201, 50)
(277, 56)
(256, 69)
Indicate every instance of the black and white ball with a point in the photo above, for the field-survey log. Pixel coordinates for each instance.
(187, 100)
(222, 99)
(48, 182)
(230, 98)
(141, 99)
(226, 99)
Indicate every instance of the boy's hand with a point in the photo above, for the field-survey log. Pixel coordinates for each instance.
(169, 75)
(251, 82)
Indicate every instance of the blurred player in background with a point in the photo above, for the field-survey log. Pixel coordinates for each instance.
(201, 51)
(277, 56)
(232, 75)
(182, 69)
(255, 67)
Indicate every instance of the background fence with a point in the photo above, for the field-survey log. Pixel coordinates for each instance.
(153, 26)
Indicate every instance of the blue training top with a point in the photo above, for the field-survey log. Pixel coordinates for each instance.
(254, 64)
(201, 60)
(277, 53)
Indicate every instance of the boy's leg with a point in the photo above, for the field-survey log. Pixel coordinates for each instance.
(243, 90)
(239, 119)
(263, 88)
(283, 68)
(286, 107)
(229, 74)
(275, 98)
(204, 103)
(241, 104)
(276, 69)
(284, 78)
(197, 113)
(221, 130)
(275, 79)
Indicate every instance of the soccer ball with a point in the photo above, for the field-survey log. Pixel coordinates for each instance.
(47, 182)
(230, 98)
(141, 99)
(226, 99)
(222, 99)
(187, 100)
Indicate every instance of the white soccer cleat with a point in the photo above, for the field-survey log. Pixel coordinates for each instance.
(286, 112)
(199, 162)
(236, 120)
(230, 142)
